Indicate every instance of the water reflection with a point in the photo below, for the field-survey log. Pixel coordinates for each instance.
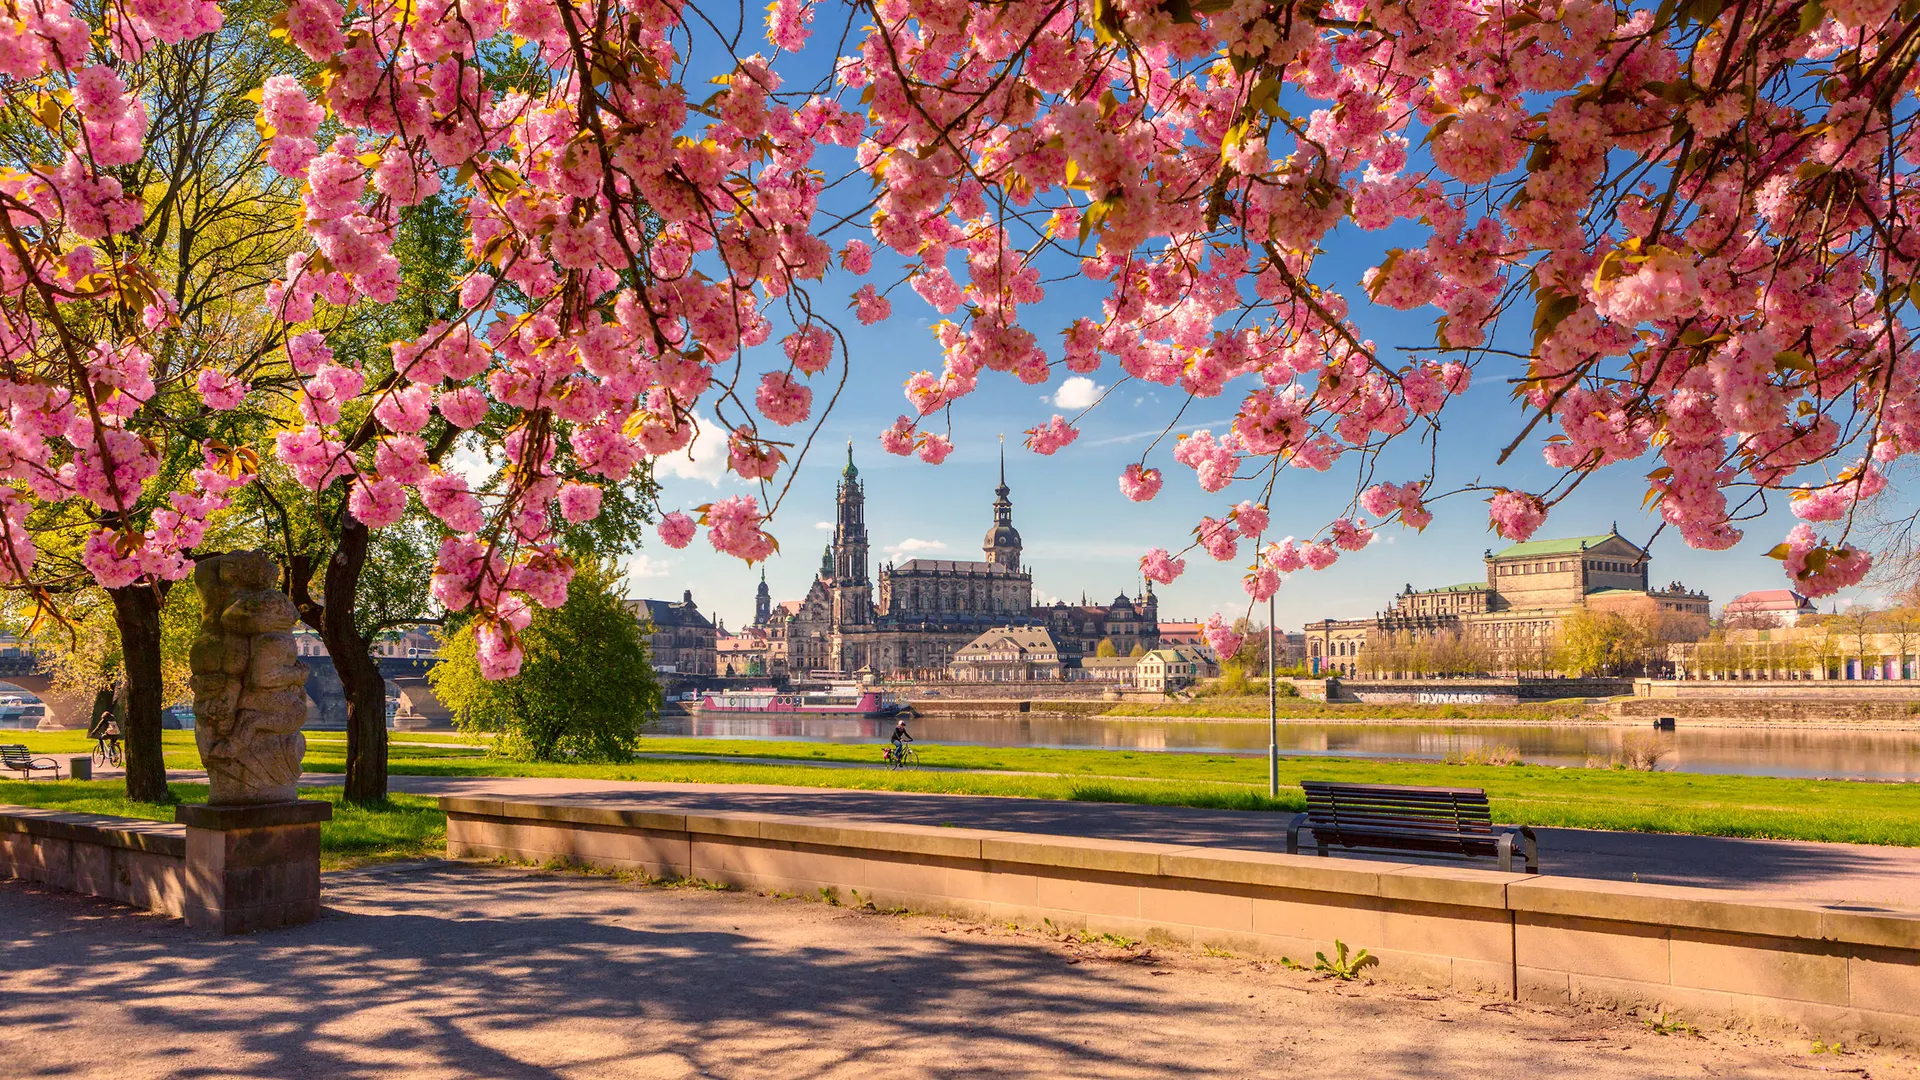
(1757, 751)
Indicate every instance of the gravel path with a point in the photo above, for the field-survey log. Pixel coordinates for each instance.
(438, 969)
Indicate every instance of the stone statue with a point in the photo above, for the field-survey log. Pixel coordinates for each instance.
(249, 685)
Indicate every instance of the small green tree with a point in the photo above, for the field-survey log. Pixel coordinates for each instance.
(584, 691)
(1137, 650)
(1106, 648)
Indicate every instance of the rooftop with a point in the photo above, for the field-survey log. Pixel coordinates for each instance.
(1571, 545)
(957, 566)
(1469, 586)
(1027, 639)
(1770, 600)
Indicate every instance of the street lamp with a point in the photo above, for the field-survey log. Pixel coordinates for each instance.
(1273, 714)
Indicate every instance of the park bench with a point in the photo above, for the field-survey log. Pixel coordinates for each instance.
(14, 758)
(1386, 817)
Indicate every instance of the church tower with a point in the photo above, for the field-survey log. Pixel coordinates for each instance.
(850, 531)
(762, 601)
(1002, 545)
(852, 593)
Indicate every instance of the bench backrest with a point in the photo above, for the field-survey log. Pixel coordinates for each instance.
(15, 753)
(1409, 818)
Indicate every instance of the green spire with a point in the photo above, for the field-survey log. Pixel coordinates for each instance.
(851, 473)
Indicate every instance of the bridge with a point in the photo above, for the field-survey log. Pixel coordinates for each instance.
(327, 700)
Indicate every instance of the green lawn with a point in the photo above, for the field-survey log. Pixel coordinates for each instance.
(1832, 810)
(408, 827)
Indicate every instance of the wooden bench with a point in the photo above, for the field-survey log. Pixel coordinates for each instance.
(14, 758)
(1386, 817)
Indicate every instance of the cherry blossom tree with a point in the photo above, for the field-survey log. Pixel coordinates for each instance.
(115, 470)
(1706, 208)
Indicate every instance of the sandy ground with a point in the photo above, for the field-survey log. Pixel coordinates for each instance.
(438, 969)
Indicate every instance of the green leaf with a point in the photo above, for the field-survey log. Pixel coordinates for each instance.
(1812, 16)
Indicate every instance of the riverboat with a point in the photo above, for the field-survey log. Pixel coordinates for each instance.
(849, 701)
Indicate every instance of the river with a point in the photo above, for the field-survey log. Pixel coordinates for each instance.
(1860, 754)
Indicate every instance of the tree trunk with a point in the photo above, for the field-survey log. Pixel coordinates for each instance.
(360, 678)
(136, 612)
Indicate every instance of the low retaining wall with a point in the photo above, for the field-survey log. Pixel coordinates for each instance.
(1472, 691)
(1748, 710)
(1843, 972)
(141, 863)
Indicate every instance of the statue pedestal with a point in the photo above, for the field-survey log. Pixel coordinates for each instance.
(253, 867)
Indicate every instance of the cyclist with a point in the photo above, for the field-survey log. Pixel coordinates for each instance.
(901, 737)
(106, 737)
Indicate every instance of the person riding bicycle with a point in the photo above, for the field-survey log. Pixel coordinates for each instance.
(900, 738)
(105, 734)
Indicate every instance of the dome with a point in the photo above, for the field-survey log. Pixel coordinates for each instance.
(1002, 536)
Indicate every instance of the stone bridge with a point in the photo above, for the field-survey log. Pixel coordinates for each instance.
(326, 699)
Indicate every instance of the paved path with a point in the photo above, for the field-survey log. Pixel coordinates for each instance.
(1827, 873)
(429, 970)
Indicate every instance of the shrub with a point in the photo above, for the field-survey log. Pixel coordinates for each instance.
(583, 692)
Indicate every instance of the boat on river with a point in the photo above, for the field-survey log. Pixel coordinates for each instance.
(836, 701)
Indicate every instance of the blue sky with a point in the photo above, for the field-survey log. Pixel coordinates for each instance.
(1080, 533)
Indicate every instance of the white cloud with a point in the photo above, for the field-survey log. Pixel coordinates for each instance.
(1077, 392)
(705, 458)
(823, 524)
(914, 546)
(646, 566)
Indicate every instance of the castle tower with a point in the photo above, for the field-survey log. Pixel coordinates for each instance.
(1002, 544)
(762, 601)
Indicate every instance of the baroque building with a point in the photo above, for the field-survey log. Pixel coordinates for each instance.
(911, 619)
(1515, 615)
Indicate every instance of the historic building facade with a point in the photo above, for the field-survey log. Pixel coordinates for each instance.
(680, 640)
(1516, 613)
(912, 619)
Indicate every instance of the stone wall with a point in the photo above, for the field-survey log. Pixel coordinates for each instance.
(1841, 690)
(134, 862)
(1837, 972)
(1738, 710)
(1473, 691)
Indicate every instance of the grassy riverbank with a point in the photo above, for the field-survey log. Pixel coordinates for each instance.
(408, 827)
(1829, 810)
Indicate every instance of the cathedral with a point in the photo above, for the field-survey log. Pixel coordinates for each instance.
(909, 620)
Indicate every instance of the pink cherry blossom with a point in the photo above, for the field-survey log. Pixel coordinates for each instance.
(898, 439)
(1221, 638)
(676, 529)
(1140, 483)
(579, 503)
(1516, 514)
(782, 400)
(871, 306)
(1159, 566)
(1051, 436)
(733, 528)
(219, 390)
(935, 448)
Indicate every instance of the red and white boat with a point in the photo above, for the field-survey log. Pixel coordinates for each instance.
(838, 701)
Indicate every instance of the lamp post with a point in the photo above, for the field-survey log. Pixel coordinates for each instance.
(1273, 715)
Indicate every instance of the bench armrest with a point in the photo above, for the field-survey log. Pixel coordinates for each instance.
(1293, 833)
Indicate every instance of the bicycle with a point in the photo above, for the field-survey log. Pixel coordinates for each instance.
(901, 757)
(106, 751)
